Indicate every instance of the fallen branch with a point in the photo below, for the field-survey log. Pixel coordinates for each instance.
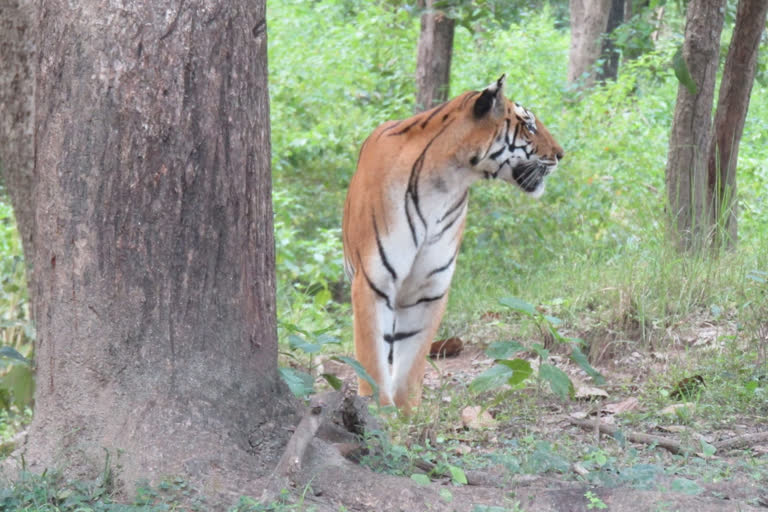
(635, 437)
(742, 441)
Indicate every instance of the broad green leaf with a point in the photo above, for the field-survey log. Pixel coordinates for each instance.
(491, 378)
(541, 351)
(299, 343)
(457, 475)
(325, 339)
(420, 478)
(504, 349)
(333, 380)
(446, 495)
(553, 320)
(12, 353)
(300, 383)
(707, 449)
(20, 383)
(681, 71)
(361, 372)
(322, 297)
(559, 382)
(521, 370)
(580, 359)
(518, 305)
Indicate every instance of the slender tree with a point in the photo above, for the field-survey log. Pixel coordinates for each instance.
(433, 62)
(151, 223)
(608, 52)
(17, 50)
(732, 106)
(686, 173)
(589, 19)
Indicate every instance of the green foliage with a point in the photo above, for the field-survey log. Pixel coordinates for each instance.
(514, 372)
(16, 331)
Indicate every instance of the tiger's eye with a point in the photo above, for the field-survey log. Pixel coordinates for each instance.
(473, 160)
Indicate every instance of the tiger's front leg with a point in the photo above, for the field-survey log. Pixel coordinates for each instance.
(372, 318)
(409, 355)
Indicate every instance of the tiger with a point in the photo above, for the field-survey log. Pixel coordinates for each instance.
(404, 218)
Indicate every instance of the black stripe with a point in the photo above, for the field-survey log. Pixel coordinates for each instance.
(382, 254)
(405, 130)
(438, 236)
(456, 206)
(514, 136)
(468, 97)
(497, 153)
(391, 338)
(425, 299)
(435, 111)
(410, 221)
(413, 181)
(444, 267)
(376, 290)
(388, 128)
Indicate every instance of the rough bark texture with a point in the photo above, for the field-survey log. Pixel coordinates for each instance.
(589, 19)
(686, 173)
(732, 106)
(433, 62)
(608, 52)
(156, 334)
(17, 79)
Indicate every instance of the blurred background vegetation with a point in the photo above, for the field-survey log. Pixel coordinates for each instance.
(592, 249)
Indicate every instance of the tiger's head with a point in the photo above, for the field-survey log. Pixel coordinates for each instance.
(514, 145)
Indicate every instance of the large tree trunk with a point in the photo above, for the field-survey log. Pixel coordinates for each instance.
(589, 19)
(686, 173)
(154, 258)
(732, 106)
(17, 79)
(433, 62)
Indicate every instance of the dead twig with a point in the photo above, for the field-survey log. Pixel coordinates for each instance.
(635, 437)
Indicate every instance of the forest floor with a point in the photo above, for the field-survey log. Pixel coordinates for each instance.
(672, 437)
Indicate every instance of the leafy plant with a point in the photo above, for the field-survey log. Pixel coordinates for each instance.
(514, 372)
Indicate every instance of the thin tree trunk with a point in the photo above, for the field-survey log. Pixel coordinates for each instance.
(589, 19)
(686, 173)
(17, 79)
(433, 62)
(156, 336)
(608, 51)
(732, 106)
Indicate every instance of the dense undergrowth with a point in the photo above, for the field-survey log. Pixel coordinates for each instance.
(592, 251)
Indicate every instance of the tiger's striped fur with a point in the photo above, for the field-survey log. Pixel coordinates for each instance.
(404, 218)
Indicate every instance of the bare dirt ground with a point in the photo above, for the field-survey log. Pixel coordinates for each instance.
(650, 462)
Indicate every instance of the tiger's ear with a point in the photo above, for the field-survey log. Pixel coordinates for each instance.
(490, 100)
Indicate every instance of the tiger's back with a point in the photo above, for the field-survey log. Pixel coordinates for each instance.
(404, 218)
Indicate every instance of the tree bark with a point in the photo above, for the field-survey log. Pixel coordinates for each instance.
(156, 335)
(17, 79)
(608, 52)
(686, 173)
(433, 62)
(589, 19)
(733, 103)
